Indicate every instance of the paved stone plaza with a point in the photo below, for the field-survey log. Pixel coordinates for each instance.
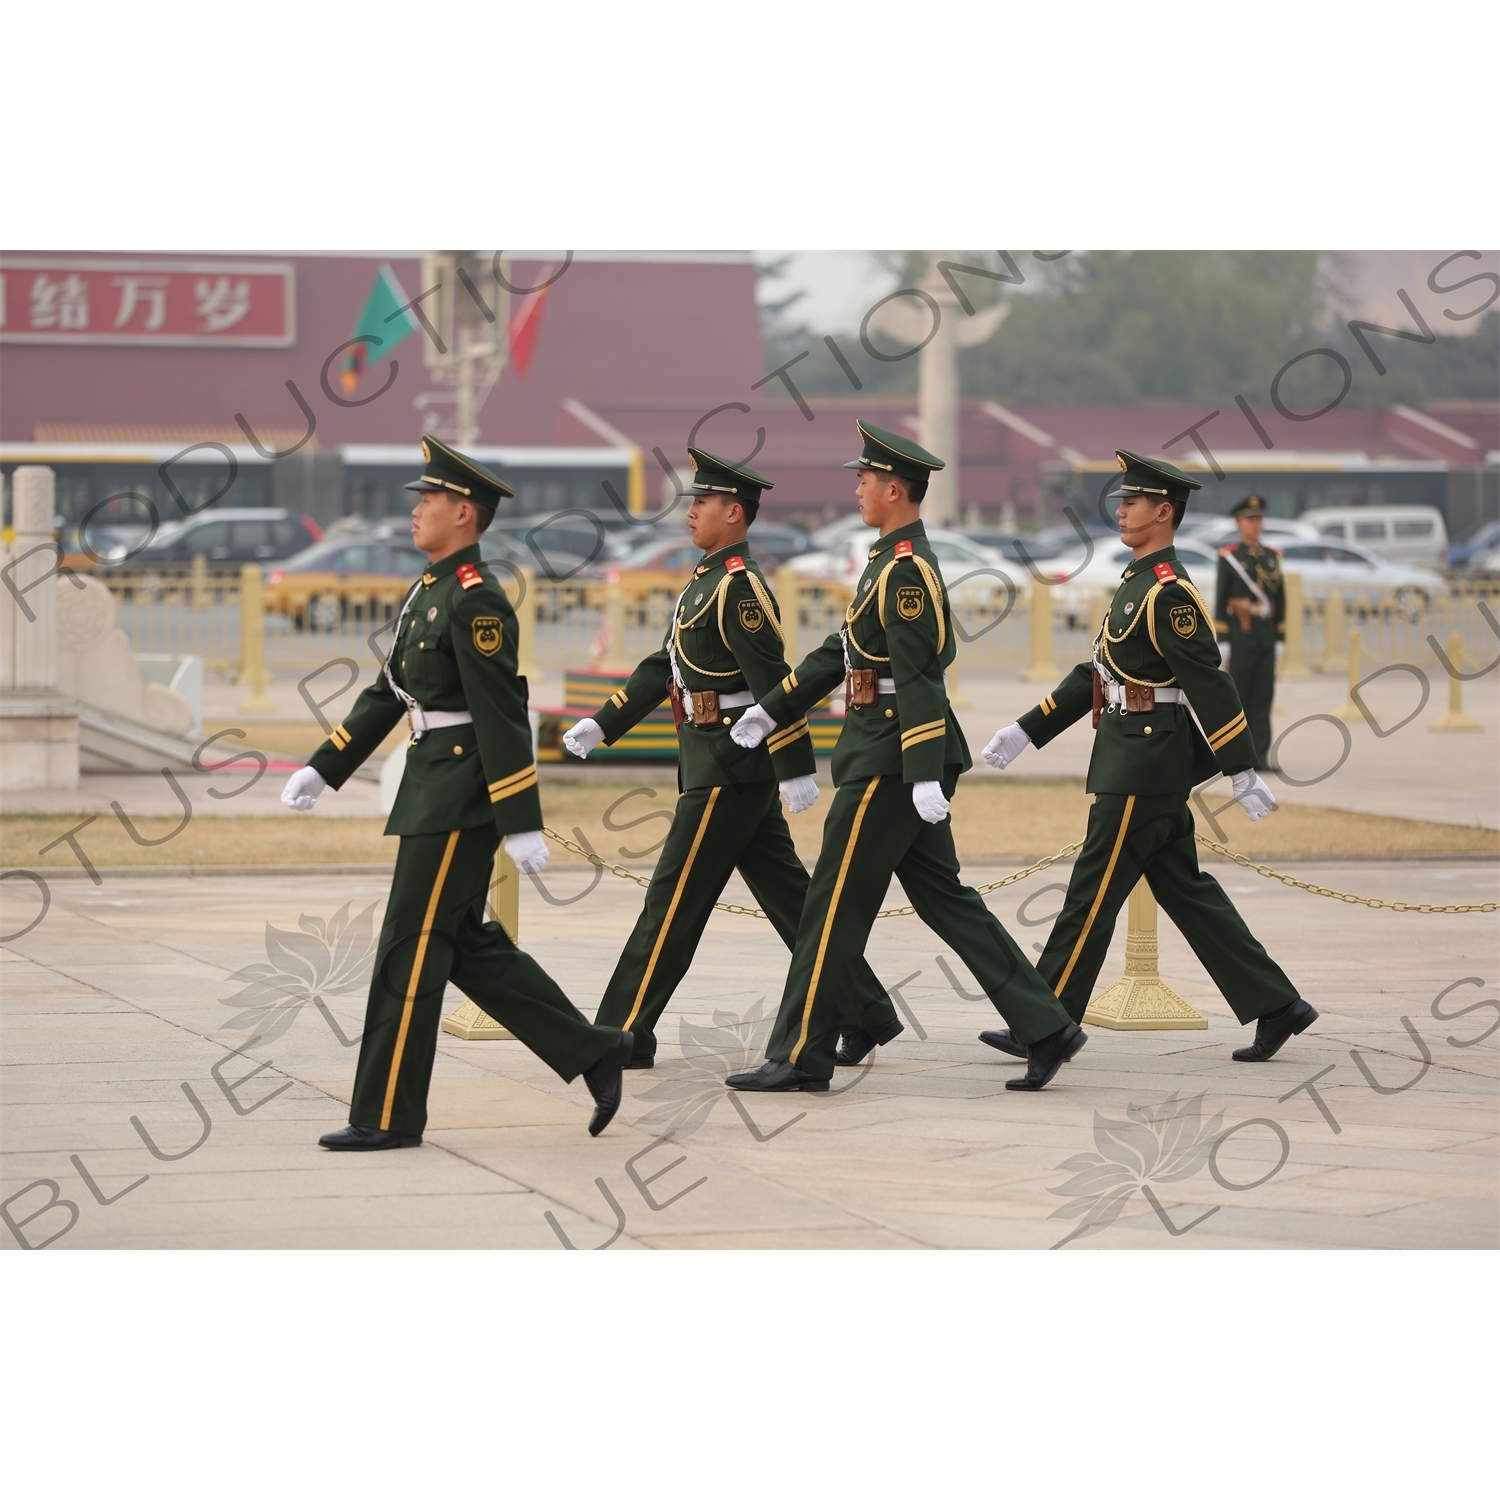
(117, 1061)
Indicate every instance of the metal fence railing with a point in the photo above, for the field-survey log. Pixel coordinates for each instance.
(289, 628)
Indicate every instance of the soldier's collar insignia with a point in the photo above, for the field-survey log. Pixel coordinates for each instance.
(428, 579)
(699, 572)
(903, 549)
(468, 576)
(1164, 573)
(735, 565)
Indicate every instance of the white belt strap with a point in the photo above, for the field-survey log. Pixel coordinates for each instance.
(1114, 692)
(887, 685)
(424, 719)
(726, 700)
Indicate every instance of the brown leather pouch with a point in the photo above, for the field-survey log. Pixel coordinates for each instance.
(705, 709)
(862, 687)
(1139, 699)
(1241, 608)
(674, 697)
(1098, 698)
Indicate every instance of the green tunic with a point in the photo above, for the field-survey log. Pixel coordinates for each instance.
(1252, 650)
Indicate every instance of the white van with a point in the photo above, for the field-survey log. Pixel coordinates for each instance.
(1412, 534)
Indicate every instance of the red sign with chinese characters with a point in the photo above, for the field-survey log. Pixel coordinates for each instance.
(58, 300)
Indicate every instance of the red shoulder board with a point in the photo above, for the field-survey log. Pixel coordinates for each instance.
(735, 565)
(903, 549)
(1164, 573)
(468, 576)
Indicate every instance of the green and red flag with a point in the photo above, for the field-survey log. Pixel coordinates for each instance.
(384, 321)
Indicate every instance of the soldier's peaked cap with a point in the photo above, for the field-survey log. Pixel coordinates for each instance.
(1153, 477)
(890, 453)
(1251, 505)
(444, 468)
(736, 481)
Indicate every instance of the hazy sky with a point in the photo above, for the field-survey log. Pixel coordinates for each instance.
(840, 285)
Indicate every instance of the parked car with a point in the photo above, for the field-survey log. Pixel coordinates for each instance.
(240, 535)
(1327, 566)
(1483, 539)
(1009, 544)
(1078, 577)
(317, 588)
(1398, 533)
(1485, 562)
(668, 554)
(958, 558)
(1214, 532)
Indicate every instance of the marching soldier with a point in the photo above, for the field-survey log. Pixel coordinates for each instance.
(1250, 620)
(470, 781)
(896, 767)
(722, 649)
(1154, 654)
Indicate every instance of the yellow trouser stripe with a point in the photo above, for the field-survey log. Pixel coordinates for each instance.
(682, 880)
(1109, 870)
(415, 980)
(909, 743)
(833, 908)
(1227, 733)
(515, 786)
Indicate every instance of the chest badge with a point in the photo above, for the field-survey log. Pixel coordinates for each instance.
(910, 602)
(698, 599)
(867, 584)
(1129, 606)
(1184, 620)
(432, 613)
(488, 635)
(752, 616)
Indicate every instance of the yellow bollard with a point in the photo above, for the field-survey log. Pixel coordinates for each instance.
(1334, 659)
(253, 642)
(789, 602)
(525, 608)
(1350, 713)
(1293, 666)
(1455, 721)
(1041, 668)
(1141, 1000)
(201, 596)
(468, 1023)
(613, 659)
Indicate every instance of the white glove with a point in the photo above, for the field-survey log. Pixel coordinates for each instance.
(1224, 653)
(528, 851)
(1280, 647)
(1005, 747)
(800, 793)
(584, 736)
(1253, 795)
(303, 789)
(928, 799)
(753, 726)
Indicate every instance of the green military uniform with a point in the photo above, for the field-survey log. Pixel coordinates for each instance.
(898, 631)
(1155, 655)
(470, 779)
(726, 640)
(1250, 616)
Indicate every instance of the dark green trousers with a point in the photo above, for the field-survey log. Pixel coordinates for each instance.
(1252, 664)
(1153, 836)
(435, 932)
(715, 831)
(872, 833)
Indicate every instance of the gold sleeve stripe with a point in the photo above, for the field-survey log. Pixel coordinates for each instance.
(788, 682)
(618, 699)
(1048, 704)
(518, 786)
(340, 738)
(505, 781)
(1223, 736)
(784, 737)
(906, 734)
(912, 741)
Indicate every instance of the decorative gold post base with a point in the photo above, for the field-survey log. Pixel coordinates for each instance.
(1142, 1000)
(1455, 721)
(468, 1022)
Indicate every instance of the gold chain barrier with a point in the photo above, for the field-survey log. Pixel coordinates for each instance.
(1063, 853)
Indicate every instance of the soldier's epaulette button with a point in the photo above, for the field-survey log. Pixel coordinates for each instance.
(735, 565)
(469, 577)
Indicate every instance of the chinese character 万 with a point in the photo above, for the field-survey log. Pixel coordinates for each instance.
(222, 303)
(59, 304)
(135, 290)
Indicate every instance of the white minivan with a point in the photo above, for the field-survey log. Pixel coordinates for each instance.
(1413, 534)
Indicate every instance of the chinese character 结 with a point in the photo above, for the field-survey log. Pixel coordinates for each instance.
(60, 304)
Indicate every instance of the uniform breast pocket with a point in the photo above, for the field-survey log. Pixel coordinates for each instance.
(423, 664)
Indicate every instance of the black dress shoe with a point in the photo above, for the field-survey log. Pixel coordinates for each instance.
(1045, 1057)
(366, 1138)
(855, 1046)
(773, 1077)
(640, 1062)
(1003, 1041)
(606, 1081)
(1272, 1030)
